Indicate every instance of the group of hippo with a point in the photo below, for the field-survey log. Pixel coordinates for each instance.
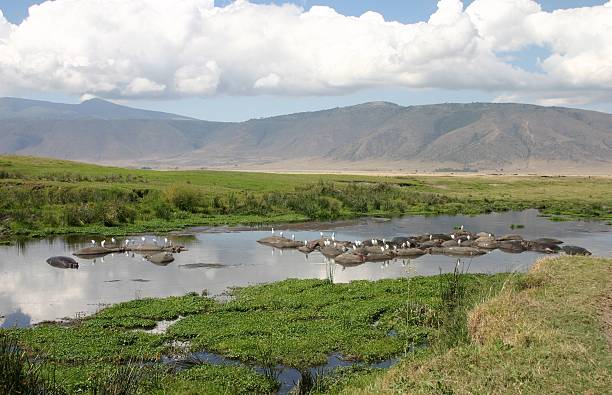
(458, 243)
(153, 252)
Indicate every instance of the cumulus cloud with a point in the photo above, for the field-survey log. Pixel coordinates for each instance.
(158, 48)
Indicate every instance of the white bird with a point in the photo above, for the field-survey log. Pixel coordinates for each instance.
(382, 249)
(165, 240)
(468, 237)
(453, 237)
(102, 243)
(113, 240)
(93, 242)
(155, 241)
(143, 238)
(293, 237)
(321, 234)
(281, 234)
(461, 227)
(305, 242)
(334, 236)
(430, 237)
(272, 230)
(127, 241)
(459, 242)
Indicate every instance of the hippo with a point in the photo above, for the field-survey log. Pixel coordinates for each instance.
(463, 251)
(510, 237)
(379, 256)
(331, 251)
(146, 248)
(280, 242)
(487, 243)
(449, 243)
(547, 240)
(483, 234)
(348, 259)
(305, 249)
(512, 246)
(547, 248)
(94, 251)
(63, 262)
(409, 252)
(575, 250)
(162, 258)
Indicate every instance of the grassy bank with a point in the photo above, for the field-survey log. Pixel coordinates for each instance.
(546, 334)
(296, 323)
(43, 196)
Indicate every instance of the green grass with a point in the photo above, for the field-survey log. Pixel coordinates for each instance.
(545, 334)
(40, 197)
(298, 323)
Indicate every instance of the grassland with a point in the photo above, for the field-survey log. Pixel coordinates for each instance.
(40, 197)
(295, 323)
(550, 333)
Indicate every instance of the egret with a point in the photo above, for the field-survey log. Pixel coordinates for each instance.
(93, 242)
(272, 230)
(143, 238)
(453, 237)
(305, 242)
(461, 227)
(430, 237)
(113, 240)
(334, 236)
(382, 249)
(127, 241)
(281, 234)
(165, 241)
(459, 242)
(468, 237)
(293, 237)
(102, 243)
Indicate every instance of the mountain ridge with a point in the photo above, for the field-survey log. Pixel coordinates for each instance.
(483, 136)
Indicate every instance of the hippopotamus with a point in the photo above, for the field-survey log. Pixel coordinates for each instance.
(379, 256)
(305, 249)
(463, 251)
(510, 237)
(449, 243)
(512, 246)
(348, 258)
(146, 248)
(409, 252)
(547, 248)
(94, 251)
(63, 262)
(483, 234)
(575, 250)
(162, 258)
(331, 251)
(487, 243)
(547, 240)
(280, 242)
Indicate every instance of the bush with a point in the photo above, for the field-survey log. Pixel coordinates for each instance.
(184, 197)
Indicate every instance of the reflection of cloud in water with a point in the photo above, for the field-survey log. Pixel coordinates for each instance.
(42, 292)
(16, 320)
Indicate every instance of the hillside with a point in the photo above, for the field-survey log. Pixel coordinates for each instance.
(372, 136)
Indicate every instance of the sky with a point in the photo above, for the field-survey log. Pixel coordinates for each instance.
(236, 60)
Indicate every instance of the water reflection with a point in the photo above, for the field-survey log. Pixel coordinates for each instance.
(218, 260)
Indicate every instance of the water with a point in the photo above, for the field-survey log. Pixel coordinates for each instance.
(32, 291)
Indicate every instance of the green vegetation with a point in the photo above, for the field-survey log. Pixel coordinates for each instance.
(547, 333)
(39, 197)
(298, 323)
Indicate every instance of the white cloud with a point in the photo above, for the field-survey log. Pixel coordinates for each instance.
(158, 48)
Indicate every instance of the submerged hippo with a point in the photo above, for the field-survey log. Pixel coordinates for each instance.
(348, 258)
(331, 251)
(488, 243)
(162, 258)
(510, 237)
(512, 246)
(547, 240)
(280, 242)
(575, 250)
(63, 262)
(536, 246)
(409, 252)
(146, 248)
(463, 251)
(94, 251)
(379, 256)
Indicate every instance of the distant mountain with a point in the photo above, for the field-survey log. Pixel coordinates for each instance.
(14, 108)
(372, 136)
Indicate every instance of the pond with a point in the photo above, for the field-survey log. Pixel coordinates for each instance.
(217, 259)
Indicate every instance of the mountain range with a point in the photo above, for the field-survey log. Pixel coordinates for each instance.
(373, 137)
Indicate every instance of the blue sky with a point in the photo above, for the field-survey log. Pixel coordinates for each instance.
(239, 107)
